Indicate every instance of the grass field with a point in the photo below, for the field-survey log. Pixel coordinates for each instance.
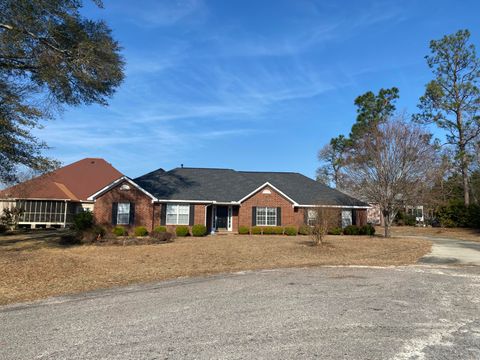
(37, 266)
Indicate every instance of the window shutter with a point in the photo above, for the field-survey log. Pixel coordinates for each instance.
(114, 213)
(305, 216)
(254, 216)
(191, 216)
(131, 221)
(163, 214)
(279, 216)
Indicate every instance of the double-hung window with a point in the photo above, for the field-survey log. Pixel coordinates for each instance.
(312, 217)
(123, 213)
(178, 214)
(266, 216)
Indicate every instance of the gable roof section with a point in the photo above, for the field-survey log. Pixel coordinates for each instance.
(230, 186)
(76, 181)
(117, 182)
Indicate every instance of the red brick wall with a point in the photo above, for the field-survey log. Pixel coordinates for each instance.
(143, 206)
(290, 215)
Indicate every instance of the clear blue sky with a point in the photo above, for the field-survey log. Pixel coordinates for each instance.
(250, 85)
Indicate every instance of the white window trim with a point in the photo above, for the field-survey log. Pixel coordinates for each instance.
(266, 216)
(118, 213)
(177, 215)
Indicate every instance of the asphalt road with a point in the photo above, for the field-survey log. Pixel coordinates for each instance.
(418, 312)
(451, 251)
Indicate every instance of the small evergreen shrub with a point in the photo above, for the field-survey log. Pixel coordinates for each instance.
(272, 230)
(335, 231)
(256, 230)
(160, 229)
(3, 228)
(305, 230)
(243, 230)
(141, 231)
(119, 231)
(182, 231)
(199, 230)
(290, 231)
(83, 220)
(351, 230)
(367, 230)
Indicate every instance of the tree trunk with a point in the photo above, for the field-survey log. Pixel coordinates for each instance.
(386, 223)
(463, 158)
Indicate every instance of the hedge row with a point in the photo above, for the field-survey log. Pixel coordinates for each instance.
(304, 230)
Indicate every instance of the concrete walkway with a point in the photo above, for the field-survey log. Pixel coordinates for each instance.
(451, 251)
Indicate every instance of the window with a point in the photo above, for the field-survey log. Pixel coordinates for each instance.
(178, 214)
(266, 216)
(311, 217)
(123, 213)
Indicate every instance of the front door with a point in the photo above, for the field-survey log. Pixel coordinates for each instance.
(222, 217)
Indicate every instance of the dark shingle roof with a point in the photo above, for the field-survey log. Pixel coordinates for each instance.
(227, 185)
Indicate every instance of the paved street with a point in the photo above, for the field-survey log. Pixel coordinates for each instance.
(418, 312)
(452, 251)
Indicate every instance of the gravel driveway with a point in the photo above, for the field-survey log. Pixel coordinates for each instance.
(417, 312)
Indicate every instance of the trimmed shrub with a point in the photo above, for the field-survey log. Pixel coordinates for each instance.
(272, 230)
(305, 230)
(367, 230)
(83, 220)
(119, 231)
(351, 230)
(243, 230)
(199, 230)
(290, 231)
(182, 231)
(160, 229)
(3, 228)
(141, 231)
(256, 230)
(335, 231)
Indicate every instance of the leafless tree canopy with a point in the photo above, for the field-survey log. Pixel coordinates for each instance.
(390, 165)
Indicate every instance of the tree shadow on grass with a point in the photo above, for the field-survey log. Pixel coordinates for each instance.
(36, 241)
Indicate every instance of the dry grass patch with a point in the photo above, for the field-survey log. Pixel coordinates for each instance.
(33, 269)
(453, 233)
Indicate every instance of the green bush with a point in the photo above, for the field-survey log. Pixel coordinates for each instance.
(98, 230)
(367, 230)
(141, 231)
(335, 231)
(243, 230)
(456, 214)
(3, 228)
(199, 230)
(351, 230)
(304, 230)
(182, 231)
(83, 220)
(119, 231)
(160, 229)
(256, 230)
(290, 230)
(272, 230)
(404, 219)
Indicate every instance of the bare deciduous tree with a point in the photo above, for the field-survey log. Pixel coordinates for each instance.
(390, 164)
(323, 220)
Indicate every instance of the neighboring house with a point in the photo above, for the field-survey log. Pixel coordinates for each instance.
(375, 217)
(52, 199)
(221, 199)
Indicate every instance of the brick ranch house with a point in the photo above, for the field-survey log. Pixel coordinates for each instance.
(221, 199)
